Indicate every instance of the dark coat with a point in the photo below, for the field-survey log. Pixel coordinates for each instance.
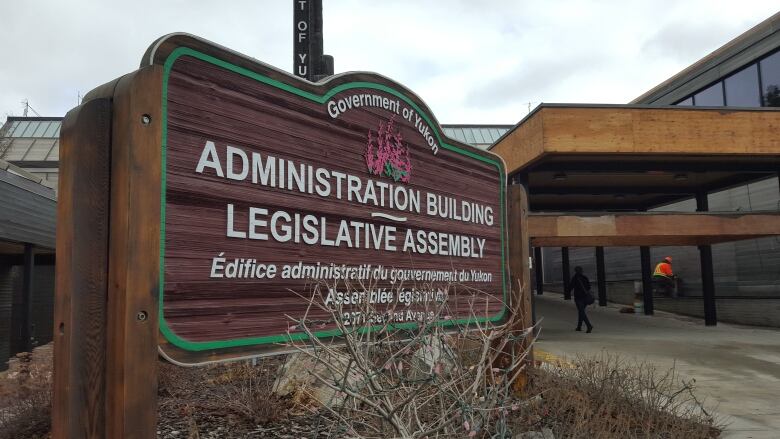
(580, 285)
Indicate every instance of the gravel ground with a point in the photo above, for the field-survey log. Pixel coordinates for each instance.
(233, 401)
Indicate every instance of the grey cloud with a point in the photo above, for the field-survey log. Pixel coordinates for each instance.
(530, 80)
(690, 40)
(53, 49)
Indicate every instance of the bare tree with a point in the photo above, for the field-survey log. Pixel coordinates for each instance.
(445, 375)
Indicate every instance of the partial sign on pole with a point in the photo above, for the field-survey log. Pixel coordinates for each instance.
(309, 61)
(265, 184)
(302, 39)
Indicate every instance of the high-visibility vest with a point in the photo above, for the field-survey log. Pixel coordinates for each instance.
(663, 269)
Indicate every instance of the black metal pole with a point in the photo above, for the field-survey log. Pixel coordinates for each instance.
(566, 272)
(707, 272)
(538, 272)
(308, 59)
(303, 65)
(647, 282)
(316, 36)
(601, 276)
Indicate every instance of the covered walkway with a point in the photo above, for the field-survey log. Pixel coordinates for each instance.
(737, 368)
(593, 175)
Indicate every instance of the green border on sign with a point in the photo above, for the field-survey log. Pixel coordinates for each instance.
(321, 99)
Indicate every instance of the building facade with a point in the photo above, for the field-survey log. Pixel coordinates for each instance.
(29, 160)
(745, 72)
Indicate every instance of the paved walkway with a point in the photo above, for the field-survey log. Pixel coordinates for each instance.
(737, 368)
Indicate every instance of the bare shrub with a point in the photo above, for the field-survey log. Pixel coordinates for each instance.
(246, 390)
(430, 380)
(236, 396)
(25, 396)
(607, 397)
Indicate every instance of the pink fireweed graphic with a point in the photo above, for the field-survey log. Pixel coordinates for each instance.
(386, 153)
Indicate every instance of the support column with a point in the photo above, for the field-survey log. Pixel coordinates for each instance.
(25, 342)
(647, 282)
(520, 281)
(566, 272)
(538, 272)
(707, 272)
(601, 276)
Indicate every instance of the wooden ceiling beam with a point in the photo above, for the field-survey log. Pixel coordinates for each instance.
(620, 131)
(646, 228)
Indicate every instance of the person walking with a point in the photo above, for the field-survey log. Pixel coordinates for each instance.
(582, 297)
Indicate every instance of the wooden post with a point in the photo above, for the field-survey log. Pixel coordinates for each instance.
(133, 277)
(105, 365)
(24, 309)
(519, 270)
(78, 406)
(566, 272)
(601, 275)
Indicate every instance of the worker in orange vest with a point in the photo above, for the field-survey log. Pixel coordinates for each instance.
(664, 276)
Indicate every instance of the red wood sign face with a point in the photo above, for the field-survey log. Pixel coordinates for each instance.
(271, 184)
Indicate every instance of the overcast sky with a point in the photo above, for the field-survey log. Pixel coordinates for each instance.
(471, 61)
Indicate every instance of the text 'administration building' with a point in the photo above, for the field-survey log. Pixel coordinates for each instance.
(743, 73)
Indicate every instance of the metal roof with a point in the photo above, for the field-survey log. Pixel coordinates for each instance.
(480, 136)
(31, 140)
(33, 127)
(36, 139)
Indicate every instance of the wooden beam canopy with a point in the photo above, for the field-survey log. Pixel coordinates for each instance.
(637, 229)
(623, 129)
(634, 158)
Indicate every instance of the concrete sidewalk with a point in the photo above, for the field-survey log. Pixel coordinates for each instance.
(737, 368)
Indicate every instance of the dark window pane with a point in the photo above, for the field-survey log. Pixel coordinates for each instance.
(710, 97)
(685, 102)
(770, 79)
(742, 88)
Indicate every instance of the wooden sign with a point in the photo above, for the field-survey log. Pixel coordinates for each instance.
(204, 194)
(271, 183)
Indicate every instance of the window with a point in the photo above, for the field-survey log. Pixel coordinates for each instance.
(770, 79)
(685, 102)
(478, 136)
(11, 129)
(41, 129)
(742, 88)
(52, 129)
(23, 125)
(30, 129)
(711, 96)
(469, 134)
